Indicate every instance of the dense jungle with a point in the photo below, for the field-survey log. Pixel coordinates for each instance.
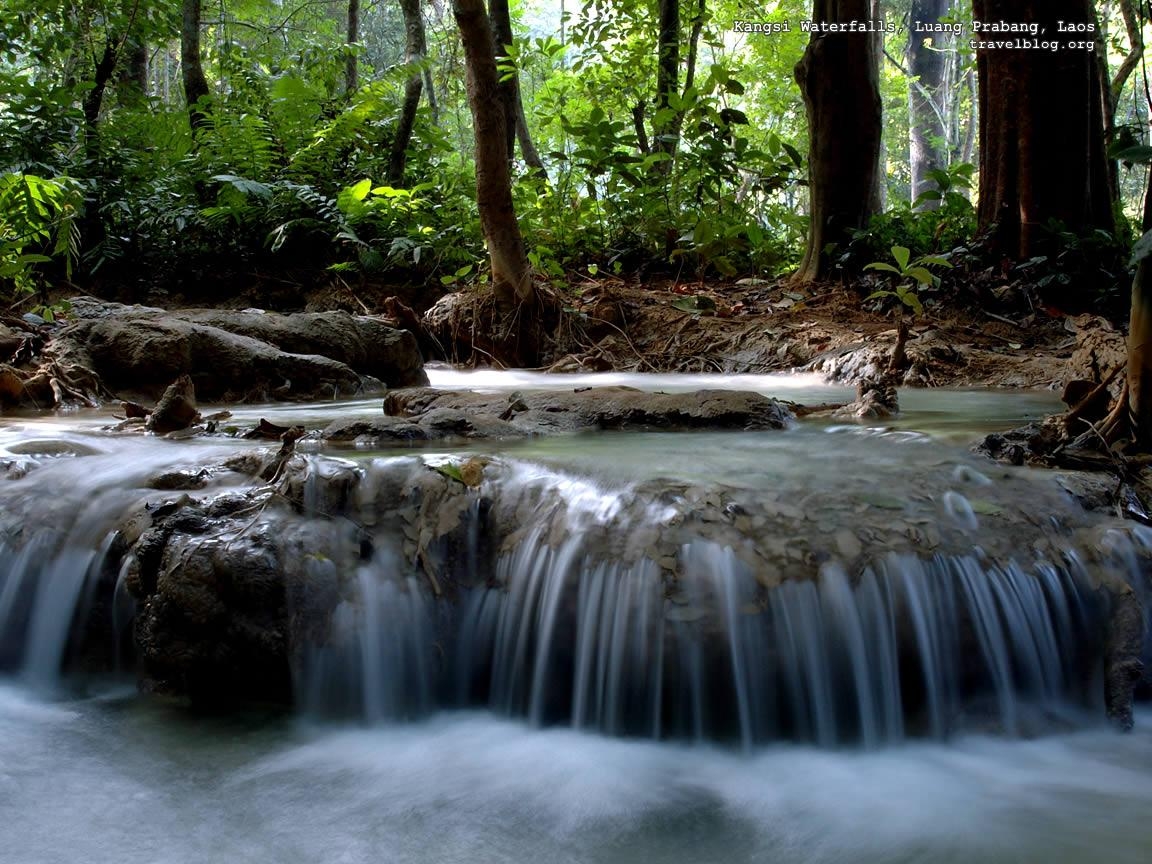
(607, 431)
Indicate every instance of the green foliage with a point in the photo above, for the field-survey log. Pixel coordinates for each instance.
(911, 276)
(37, 227)
(945, 229)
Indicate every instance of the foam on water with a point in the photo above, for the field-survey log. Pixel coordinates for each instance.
(106, 782)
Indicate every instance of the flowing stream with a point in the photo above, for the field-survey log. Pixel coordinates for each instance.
(566, 706)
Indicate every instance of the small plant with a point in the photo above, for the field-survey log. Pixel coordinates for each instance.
(912, 275)
(38, 224)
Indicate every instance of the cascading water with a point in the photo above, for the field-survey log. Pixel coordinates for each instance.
(840, 588)
(562, 626)
(646, 608)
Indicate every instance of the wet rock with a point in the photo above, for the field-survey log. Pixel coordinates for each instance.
(379, 429)
(176, 409)
(237, 356)
(1123, 667)
(368, 345)
(548, 412)
(214, 627)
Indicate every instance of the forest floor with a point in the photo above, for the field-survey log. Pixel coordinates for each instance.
(763, 326)
(754, 326)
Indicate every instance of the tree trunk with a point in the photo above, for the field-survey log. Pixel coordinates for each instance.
(132, 82)
(516, 127)
(664, 139)
(1042, 152)
(839, 79)
(927, 129)
(511, 278)
(191, 67)
(415, 47)
(94, 100)
(351, 64)
(1140, 344)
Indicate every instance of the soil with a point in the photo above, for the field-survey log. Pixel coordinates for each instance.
(743, 326)
(758, 326)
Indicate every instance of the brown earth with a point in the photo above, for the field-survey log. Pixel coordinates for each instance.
(755, 326)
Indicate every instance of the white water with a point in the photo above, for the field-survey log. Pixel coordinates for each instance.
(117, 782)
(125, 781)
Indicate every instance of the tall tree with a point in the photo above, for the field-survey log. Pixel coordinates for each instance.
(927, 121)
(352, 62)
(415, 47)
(511, 277)
(192, 67)
(667, 77)
(1042, 154)
(515, 125)
(839, 80)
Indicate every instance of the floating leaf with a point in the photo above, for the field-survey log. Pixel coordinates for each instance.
(884, 502)
(452, 471)
(986, 508)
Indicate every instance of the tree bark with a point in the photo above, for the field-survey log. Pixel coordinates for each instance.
(192, 67)
(511, 277)
(927, 129)
(664, 139)
(415, 47)
(839, 80)
(516, 127)
(94, 100)
(132, 82)
(1042, 154)
(351, 64)
(1139, 368)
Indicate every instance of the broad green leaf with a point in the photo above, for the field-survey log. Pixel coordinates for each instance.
(1140, 154)
(934, 261)
(902, 255)
(880, 265)
(920, 275)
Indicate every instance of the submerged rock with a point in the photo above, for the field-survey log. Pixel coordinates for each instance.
(544, 412)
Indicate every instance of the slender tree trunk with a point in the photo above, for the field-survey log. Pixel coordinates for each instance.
(667, 80)
(1140, 344)
(132, 82)
(516, 127)
(415, 47)
(352, 64)
(839, 79)
(1041, 132)
(511, 277)
(192, 67)
(927, 129)
(94, 100)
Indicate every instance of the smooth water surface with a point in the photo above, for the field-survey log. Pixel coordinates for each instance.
(115, 781)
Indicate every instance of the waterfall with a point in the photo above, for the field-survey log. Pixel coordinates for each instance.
(649, 610)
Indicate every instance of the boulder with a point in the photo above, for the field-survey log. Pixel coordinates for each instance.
(236, 356)
(590, 408)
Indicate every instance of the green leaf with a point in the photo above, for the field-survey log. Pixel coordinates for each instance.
(1141, 154)
(909, 299)
(934, 261)
(920, 275)
(452, 471)
(360, 190)
(880, 265)
(902, 255)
